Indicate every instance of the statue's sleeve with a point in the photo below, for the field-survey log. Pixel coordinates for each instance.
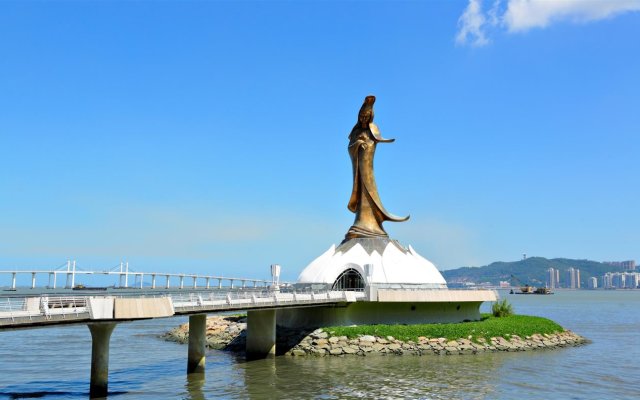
(377, 136)
(354, 151)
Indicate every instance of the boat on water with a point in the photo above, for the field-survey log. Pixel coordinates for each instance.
(526, 289)
(80, 286)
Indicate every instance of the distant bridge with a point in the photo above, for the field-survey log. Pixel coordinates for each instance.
(127, 278)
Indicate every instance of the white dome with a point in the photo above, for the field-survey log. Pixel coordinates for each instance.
(392, 264)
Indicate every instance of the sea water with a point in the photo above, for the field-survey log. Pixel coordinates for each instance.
(54, 363)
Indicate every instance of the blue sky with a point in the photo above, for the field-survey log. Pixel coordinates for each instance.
(211, 136)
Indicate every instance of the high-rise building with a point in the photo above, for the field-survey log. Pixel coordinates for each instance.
(618, 280)
(593, 282)
(607, 280)
(621, 280)
(552, 281)
(573, 278)
(631, 280)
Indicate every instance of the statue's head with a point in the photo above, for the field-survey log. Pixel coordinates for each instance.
(365, 116)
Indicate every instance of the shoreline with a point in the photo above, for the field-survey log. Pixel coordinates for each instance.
(228, 333)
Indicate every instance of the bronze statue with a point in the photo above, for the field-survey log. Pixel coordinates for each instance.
(365, 201)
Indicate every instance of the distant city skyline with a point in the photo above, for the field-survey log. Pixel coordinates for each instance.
(210, 137)
(621, 280)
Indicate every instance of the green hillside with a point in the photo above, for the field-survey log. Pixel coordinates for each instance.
(531, 271)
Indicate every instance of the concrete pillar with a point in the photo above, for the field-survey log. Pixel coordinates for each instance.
(197, 342)
(100, 336)
(261, 334)
(73, 275)
(126, 275)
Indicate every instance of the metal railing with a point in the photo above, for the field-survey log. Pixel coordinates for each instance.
(46, 307)
(215, 301)
(15, 311)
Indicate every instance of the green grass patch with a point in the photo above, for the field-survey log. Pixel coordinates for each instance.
(489, 326)
(502, 308)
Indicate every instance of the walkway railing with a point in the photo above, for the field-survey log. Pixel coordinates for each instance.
(44, 309)
(13, 309)
(191, 302)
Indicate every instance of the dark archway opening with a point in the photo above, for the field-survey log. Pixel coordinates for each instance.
(350, 279)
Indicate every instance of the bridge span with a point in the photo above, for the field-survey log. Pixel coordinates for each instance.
(47, 309)
(101, 309)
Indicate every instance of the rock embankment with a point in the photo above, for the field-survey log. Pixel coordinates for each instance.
(223, 333)
(229, 333)
(322, 343)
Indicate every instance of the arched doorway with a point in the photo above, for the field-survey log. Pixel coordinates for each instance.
(350, 279)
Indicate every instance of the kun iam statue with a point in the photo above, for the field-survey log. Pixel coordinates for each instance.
(365, 201)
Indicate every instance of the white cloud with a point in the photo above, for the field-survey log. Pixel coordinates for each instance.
(523, 15)
(471, 24)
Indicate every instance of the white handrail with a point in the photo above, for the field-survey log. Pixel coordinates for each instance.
(15, 311)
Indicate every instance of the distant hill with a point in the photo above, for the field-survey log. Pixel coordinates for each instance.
(531, 271)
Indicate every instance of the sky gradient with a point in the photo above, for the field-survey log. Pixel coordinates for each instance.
(211, 137)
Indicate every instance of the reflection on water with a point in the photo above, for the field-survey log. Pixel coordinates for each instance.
(371, 377)
(195, 386)
(54, 363)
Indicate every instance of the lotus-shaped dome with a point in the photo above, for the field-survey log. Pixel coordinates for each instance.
(388, 264)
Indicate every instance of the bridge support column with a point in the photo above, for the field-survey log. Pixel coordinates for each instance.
(197, 343)
(100, 337)
(261, 334)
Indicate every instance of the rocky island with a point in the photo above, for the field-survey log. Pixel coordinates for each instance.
(228, 333)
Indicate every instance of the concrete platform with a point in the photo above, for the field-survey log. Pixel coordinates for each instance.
(435, 296)
(394, 307)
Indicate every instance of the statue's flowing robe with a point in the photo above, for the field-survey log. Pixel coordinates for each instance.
(365, 200)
